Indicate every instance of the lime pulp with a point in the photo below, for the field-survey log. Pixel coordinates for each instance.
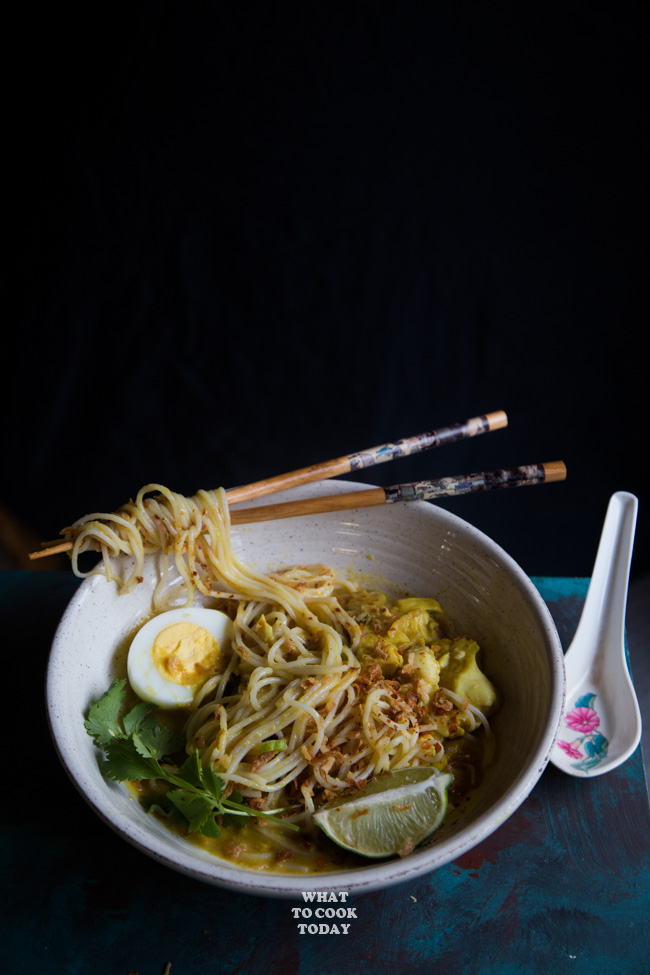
(391, 815)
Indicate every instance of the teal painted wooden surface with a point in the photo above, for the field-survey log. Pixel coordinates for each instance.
(562, 886)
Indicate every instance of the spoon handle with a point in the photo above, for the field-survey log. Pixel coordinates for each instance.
(603, 617)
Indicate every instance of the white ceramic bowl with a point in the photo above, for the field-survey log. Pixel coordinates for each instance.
(421, 549)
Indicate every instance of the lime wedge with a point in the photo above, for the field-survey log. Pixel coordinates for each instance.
(389, 816)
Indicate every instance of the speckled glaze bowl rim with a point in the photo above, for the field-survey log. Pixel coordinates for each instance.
(378, 874)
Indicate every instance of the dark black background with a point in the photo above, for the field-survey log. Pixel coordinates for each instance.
(246, 237)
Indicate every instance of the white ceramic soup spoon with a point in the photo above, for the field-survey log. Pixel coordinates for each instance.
(601, 724)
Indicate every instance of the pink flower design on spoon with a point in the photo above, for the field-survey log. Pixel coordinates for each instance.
(583, 720)
(570, 749)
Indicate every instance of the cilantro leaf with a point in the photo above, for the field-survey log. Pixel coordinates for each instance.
(156, 740)
(197, 810)
(212, 783)
(134, 748)
(191, 770)
(154, 807)
(102, 723)
(210, 828)
(135, 717)
(124, 762)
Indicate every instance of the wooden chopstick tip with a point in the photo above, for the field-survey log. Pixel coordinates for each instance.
(497, 420)
(555, 470)
(50, 550)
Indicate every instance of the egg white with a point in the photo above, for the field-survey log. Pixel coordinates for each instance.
(145, 678)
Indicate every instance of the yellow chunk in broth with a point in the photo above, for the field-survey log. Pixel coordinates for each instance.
(414, 629)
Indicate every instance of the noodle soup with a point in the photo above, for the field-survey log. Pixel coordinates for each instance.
(304, 688)
(419, 549)
(324, 688)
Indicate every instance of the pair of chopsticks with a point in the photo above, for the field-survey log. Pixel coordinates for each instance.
(415, 491)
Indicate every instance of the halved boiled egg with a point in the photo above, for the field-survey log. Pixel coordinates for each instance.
(173, 654)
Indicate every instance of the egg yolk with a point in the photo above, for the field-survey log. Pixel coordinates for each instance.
(185, 653)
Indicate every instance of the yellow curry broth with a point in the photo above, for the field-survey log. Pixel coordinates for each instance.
(267, 849)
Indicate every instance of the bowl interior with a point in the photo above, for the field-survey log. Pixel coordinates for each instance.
(413, 548)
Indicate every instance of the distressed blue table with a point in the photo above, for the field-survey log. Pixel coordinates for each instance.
(562, 886)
